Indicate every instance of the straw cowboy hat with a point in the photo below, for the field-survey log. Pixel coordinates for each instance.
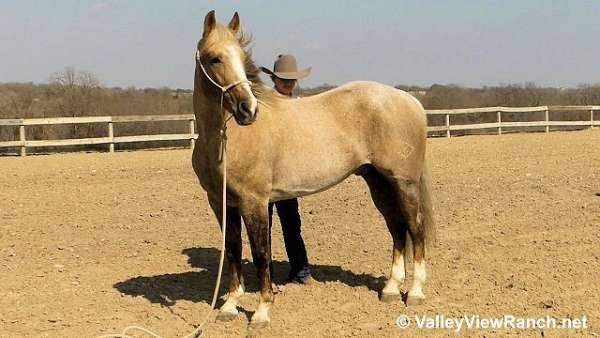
(285, 67)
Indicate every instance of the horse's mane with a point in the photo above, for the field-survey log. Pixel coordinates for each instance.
(265, 95)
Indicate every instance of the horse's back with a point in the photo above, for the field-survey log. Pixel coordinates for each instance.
(390, 122)
(374, 101)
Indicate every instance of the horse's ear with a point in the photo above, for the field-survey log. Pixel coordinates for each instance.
(234, 24)
(209, 23)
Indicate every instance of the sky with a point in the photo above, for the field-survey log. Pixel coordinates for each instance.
(147, 43)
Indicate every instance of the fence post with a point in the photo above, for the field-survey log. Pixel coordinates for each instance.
(22, 139)
(448, 125)
(192, 141)
(111, 136)
(547, 121)
(592, 118)
(499, 123)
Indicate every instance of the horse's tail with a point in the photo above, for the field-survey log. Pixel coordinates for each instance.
(427, 222)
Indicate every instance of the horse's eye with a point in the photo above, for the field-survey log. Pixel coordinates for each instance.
(215, 60)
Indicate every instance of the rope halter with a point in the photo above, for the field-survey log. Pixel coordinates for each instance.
(224, 89)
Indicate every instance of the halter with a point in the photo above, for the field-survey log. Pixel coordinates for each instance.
(224, 89)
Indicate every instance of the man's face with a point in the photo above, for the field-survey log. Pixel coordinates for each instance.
(283, 86)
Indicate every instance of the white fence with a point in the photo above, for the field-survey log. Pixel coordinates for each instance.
(110, 140)
(499, 124)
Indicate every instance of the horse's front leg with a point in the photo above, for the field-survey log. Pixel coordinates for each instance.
(255, 215)
(233, 250)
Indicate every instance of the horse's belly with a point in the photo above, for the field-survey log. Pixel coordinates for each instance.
(296, 185)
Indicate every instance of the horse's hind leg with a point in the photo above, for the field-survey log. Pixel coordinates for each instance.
(233, 250)
(386, 200)
(410, 199)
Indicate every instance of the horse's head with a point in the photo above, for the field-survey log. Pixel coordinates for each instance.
(223, 59)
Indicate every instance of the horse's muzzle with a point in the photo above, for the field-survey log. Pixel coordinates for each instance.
(244, 115)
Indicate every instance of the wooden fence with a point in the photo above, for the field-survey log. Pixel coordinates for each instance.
(499, 124)
(110, 140)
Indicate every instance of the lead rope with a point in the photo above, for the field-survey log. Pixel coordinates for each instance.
(223, 158)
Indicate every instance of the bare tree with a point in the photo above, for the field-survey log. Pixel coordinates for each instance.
(86, 79)
(65, 78)
(70, 78)
(77, 92)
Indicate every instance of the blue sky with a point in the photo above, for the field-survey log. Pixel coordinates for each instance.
(151, 43)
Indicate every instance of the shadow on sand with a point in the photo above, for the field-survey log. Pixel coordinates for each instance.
(197, 286)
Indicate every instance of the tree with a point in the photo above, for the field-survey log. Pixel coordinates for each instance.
(71, 78)
(77, 90)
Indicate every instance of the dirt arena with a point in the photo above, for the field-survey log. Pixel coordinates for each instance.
(93, 242)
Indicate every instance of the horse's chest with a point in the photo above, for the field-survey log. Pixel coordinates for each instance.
(209, 175)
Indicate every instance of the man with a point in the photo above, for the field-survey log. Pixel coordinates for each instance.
(285, 76)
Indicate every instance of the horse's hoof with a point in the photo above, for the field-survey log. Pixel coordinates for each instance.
(412, 301)
(258, 325)
(226, 316)
(389, 297)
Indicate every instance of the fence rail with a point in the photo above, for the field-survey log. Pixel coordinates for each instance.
(111, 140)
(499, 124)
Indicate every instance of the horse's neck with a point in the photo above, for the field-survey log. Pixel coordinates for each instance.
(209, 120)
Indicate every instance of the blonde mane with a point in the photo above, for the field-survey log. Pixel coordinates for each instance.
(265, 95)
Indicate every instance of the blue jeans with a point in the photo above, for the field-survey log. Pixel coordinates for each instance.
(292, 237)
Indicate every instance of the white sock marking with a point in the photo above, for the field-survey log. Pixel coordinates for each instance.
(233, 298)
(420, 276)
(397, 276)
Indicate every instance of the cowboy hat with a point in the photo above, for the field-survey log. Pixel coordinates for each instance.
(285, 67)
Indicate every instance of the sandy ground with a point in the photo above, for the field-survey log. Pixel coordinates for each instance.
(92, 243)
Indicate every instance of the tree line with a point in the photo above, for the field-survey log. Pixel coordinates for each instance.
(73, 92)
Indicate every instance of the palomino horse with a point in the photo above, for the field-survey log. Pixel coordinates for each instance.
(282, 148)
